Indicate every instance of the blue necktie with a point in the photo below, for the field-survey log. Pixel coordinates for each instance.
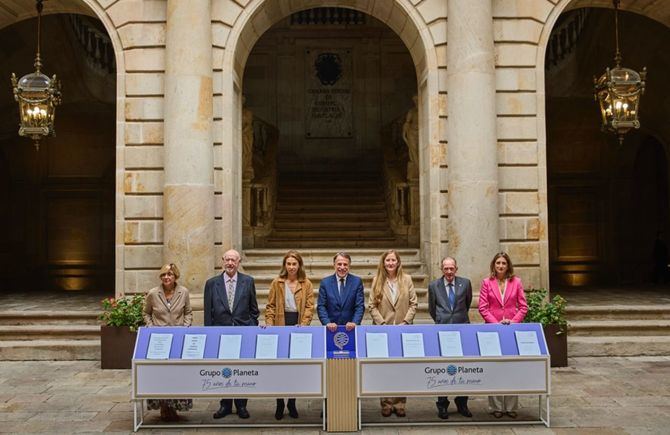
(452, 296)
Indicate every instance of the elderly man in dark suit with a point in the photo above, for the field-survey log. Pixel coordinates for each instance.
(341, 299)
(449, 299)
(230, 300)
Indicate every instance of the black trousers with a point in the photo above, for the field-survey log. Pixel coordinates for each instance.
(228, 403)
(461, 401)
(290, 319)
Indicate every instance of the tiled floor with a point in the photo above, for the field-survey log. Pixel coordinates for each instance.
(592, 396)
(55, 301)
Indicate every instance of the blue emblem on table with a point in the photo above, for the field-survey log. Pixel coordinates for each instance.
(227, 372)
(341, 344)
(451, 370)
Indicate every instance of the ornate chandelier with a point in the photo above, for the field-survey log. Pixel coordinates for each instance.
(37, 95)
(618, 92)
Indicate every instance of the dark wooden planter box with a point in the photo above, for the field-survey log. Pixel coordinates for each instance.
(557, 344)
(117, 344)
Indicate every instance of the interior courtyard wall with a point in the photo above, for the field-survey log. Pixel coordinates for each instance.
(384, 84)
(240, 28)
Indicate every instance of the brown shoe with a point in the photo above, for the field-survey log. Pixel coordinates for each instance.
(386, 412)
(399, 412)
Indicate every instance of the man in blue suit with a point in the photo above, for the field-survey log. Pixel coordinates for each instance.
(341, 299)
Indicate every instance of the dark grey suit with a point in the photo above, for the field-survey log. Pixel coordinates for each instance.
(218, 313)
(245, 306)
(442, 313)
(438, 301)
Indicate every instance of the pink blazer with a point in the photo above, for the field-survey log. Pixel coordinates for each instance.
(493, 310)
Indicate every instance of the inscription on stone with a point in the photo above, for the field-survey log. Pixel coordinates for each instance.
(328, 98)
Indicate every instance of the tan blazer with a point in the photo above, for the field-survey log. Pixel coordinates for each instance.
(304, 302)
(388, 313)
(158, 313)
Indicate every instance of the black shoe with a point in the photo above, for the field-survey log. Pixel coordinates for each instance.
(242, 413)
(442, 413)
(279, 411)
(464, 411)
(292, 410)
(222, 412)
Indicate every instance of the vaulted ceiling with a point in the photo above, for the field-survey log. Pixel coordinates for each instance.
(12, 11)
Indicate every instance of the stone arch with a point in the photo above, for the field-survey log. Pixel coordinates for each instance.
(402, 18)
(645, 8)
(95, 9)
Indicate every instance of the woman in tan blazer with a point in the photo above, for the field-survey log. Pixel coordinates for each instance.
(290, 302)
(168, 305)
(392, 301)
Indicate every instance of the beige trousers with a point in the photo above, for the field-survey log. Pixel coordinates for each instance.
(503, 403)
(393, 402)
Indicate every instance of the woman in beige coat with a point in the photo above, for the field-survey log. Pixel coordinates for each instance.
(168, 305)
(290, 302)
(392, 301)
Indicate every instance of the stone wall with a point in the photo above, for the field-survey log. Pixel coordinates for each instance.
(521, 30)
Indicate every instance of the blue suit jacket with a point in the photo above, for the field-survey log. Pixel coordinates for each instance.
(349, 308)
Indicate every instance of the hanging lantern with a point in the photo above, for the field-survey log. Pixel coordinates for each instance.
(618, 92)
(37, 95)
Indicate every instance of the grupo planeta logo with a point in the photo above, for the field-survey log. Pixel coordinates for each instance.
(226, 373)
(451, 370)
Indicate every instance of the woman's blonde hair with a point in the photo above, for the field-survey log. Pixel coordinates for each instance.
(169, 268)
(283, 273)
(382, 276)
(510, 267)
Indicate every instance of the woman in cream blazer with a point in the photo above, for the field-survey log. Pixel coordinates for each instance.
(392, 301)
(168, 305)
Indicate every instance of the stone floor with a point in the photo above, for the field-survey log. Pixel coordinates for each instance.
(592, 396)
(53, 301)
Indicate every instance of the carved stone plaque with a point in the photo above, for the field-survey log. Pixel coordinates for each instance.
(328, 101)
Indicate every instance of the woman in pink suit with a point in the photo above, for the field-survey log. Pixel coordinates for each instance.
(502, 300)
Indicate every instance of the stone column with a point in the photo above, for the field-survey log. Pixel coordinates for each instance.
(472, 140)
(188, 196)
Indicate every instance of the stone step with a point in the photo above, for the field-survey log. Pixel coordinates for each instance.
(617, 312)
(282, 242)
(322, 269)
(49, 350)
(49, 332)
(649, 345)
(263, 281)
(331, 217)
(11, 317)
(366, 225)
(326, 206)
(347, 196)
(358, 256)
(637, 327)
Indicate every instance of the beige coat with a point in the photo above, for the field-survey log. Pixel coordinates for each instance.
(388, 313)
(304, 302)
(158, 313)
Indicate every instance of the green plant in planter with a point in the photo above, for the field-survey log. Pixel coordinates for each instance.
(124, 311)
(545, 311)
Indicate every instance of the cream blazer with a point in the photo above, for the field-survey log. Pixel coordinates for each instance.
(158, 313)
(388, 313)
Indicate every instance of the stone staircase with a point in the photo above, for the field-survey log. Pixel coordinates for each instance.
(322, 211)
(49, 335)
(264, 265)
(618, 330)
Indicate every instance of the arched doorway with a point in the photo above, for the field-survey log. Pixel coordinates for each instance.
(330, 134)
(62, 197)
(606, 202)
(402, 19)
